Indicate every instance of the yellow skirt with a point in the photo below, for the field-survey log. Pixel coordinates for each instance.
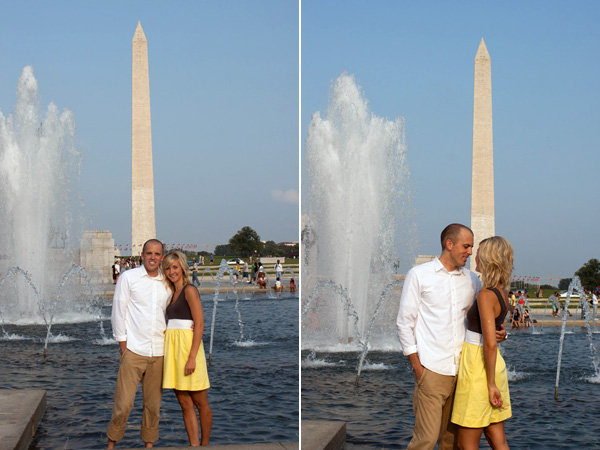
(177, 350)
(472, 407)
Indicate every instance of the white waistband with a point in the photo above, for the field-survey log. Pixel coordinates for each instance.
(470, 338)
(180, 324)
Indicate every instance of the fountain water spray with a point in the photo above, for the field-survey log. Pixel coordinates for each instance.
(38, 166)
(222, 269)
(357, 195)
(576, 286)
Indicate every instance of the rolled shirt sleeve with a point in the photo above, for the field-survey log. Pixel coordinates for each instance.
(119, 309)
(408, 314)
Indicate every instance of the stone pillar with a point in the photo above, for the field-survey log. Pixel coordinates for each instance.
(482, 187)
(142, 179)
(97, 255)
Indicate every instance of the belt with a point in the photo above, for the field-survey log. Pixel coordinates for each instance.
(471, 337)
(180, 324)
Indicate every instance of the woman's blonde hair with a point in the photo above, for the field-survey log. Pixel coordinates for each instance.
(495, 262)
(169, 259)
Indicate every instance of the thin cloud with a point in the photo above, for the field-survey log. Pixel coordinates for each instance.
(289, 196)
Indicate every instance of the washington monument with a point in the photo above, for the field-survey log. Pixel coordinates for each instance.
(482, 184)
(142, 179)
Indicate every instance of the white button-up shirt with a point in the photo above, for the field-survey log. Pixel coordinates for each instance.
(432, 316)
(138, 312)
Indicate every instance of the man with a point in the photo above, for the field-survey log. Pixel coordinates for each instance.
(195, 280)
(278, 270)
(245, 273)
(431, 326)
(138, 321)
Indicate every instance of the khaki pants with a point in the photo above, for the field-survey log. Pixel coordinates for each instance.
(432, 404)
(133, 369)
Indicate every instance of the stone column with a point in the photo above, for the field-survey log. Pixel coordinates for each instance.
(142, 179)
(97, 255)
(482, 186)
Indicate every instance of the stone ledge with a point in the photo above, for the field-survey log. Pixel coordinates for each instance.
(20, 413)
(323, 435)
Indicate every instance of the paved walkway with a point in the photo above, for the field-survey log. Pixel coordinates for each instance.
(20, 413)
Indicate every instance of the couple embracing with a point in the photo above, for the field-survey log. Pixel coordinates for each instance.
(158, 322)
(449, 323)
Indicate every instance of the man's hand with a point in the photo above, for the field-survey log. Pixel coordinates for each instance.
(501, 334)
(122, 346)
(418, 368)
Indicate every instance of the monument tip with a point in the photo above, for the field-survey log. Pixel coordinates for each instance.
(139, 34)
(482, 51)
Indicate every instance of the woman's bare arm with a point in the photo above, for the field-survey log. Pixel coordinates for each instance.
(193, 299)
(489, 308)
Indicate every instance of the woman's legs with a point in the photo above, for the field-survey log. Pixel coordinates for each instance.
(494, 433)
(200, 399)
(190, 419)
(468, 438)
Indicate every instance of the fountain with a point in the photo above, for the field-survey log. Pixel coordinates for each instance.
(575, 285)
(350, 229)
(357, 190)
(38, 169)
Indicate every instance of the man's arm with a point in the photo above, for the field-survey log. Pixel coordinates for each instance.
(407, 319)
(119, 312)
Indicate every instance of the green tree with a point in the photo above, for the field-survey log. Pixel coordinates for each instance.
(246, 242)
(222, 250)
(589, 274)
(564, 283)
(270, 249)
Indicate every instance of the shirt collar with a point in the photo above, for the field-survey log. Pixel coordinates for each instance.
(159, 277)
(437, 265)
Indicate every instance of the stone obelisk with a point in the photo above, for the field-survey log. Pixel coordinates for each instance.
(482, 186)
(142, 179)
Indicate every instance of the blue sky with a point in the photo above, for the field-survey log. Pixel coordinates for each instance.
(224, 105)
(415, 59)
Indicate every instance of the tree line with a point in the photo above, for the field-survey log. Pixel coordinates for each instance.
(246, 242)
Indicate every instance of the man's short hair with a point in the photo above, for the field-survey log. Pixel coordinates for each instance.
(451, 232)
(153, 241)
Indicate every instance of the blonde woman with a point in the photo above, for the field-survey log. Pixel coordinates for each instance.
(184, 362)
(482, 401)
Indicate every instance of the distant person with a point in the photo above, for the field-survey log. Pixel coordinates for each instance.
(554, 299)
(245, 273)
(261, 280)
(516, 319)
(278, 285)
(431, 327)
(184, 362)
(138, 323)
(195, 280)
(482, 400)
(211, 258)
(292, 285)
(115, 272)
(254, 271)
(513, 302)
(279, 270)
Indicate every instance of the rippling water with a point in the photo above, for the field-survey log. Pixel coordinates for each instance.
(254, 383)
(378, 414)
